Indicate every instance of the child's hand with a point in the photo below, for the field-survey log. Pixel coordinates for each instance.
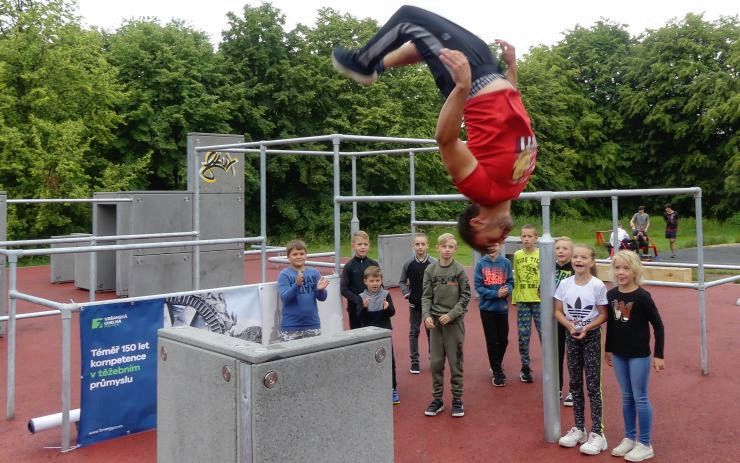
(658, 364)
(366, 302)
(386, 305)
(322, 284)
(580, 334)
(429, 323)
(608, 356)
(444, 319)
(299, 279)
(458, 65)
(503, 291)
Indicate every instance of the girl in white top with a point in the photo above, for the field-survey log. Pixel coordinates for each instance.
(581, 307)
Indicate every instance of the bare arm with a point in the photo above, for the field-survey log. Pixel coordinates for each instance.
(508, 56)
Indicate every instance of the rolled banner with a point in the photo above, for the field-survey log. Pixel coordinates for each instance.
(42, 423)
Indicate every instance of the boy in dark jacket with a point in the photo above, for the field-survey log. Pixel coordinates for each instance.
(353, 276)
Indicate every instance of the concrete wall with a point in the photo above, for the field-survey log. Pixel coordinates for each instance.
(393, 252)
(215, 401)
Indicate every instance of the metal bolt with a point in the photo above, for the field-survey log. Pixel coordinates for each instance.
(380, 355)
(163, 353)
(271, 379)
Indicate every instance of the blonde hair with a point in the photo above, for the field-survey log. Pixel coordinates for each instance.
(632, 260)
(421, 234)
(373, 271)
(592, 252)
(530, 226)
(295, 245)
(360, 234)
(565, 238)
(445, 237)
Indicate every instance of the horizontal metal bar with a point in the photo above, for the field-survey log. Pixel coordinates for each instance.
(286, 141)
(674, 284)
(398, 198)
(608, 193)
(82, 239)
(69, 200)
(282, 152)
(421, 141)
(121, 247)
(36, 300)
(722, 281)
(433, 222)
(21, 316)
(433, 149)
(690, 265)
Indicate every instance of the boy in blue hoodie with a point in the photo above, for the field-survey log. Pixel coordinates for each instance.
(300, 287)
(494, 281)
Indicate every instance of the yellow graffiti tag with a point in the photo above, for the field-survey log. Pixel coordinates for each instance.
(215, 160)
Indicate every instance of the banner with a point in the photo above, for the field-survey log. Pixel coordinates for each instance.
(118, 345)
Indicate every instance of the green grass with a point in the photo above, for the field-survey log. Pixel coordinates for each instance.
(581, 231)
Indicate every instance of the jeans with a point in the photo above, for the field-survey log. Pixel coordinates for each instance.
(415, 322)
(633, 375)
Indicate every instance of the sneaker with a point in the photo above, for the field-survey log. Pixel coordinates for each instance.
(457, 408)
(640, 452)
(572, 438)
(568, 402)
(344, 62)
(499, 379)
(396, 399)
(623, 448)
(435, 407)
(415, 370)
(595, 444)
(526, 375)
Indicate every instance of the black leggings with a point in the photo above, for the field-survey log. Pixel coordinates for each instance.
(430, 33)
(496, 331)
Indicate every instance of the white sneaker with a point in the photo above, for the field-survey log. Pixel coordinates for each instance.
(623, 448)
(640, 452)
(573, 437)
(596, 444)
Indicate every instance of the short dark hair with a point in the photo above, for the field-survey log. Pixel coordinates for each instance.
(295, 245)
(465, 230)
(667, 206)
(641, 208)
(373, 271)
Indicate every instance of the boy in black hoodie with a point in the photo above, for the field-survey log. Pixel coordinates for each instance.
(353, 276)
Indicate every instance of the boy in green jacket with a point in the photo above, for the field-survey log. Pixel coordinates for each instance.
(443, 304)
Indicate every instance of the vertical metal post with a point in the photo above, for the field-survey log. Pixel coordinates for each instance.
(12, 282)
(412, 190)
(263, 211)
(196, 218)
(337, 216)
(550, 382)
(93, 264)
(701, 285)
(66, 375)
(354, 224)
(615, 223)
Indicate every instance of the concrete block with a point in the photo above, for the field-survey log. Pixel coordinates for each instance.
(673, 274)
(309, 412)
(160, 273)
(393, 251)
(222, 216)
(219, 269)
(104, 224)
(63, 265)
(218, 172)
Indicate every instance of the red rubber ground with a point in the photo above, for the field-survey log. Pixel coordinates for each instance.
(696, 417)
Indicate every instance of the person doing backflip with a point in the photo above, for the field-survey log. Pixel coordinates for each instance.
(500, 155)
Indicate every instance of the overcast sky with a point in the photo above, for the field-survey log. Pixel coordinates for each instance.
(524, 24)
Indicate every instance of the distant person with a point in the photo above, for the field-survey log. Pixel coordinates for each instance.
(527, 296)
(353, 276)
(640, 223)
(300, 287)
(631, 311)
(411, 283)
(622, 236)
(377, 310)
(671, 227)
(580, 306)
(493, 168)
(494, 281)
(443, 305)
(563, 270)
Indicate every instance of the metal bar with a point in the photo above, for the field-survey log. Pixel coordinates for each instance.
(673, 284)
(66, 377)
(82, 239)
(21, 316)
(257, 144)
(412, 191)
(398, 198)
(35, 299)
(422, 141)
(354, 224)
(435, 222)
(69, 200)
(93, 259)
(120, 247)
(690, 265)
(337, 217)
(263, 211)
(158, 296)
(722, 281)
(615, 224)
(701, 285)
(10, 386)
(550, 381)
(433, 149)
(196, 218)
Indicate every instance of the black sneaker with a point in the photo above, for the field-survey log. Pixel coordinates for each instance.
(457, 408)
(499, 379)
(345, 63)
(526, 375)
(415, 370)
(435, 407)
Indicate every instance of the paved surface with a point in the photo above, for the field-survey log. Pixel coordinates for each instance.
(723, 254)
